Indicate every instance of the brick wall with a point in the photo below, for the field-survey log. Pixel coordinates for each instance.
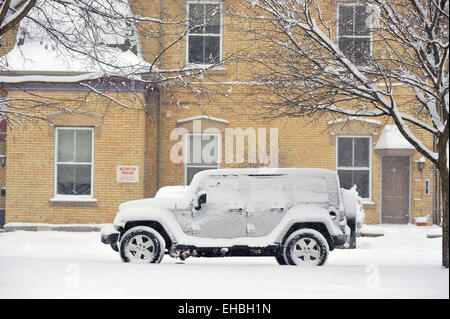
(119, 140)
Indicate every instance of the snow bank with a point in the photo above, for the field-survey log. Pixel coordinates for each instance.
(402, 264)
(53, 225)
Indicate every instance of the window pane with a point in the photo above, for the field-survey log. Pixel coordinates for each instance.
(196, 49)
(212, 49)
(345, 20)
(346, 45)
(345, 150)
(82, 180)
(361, 52)
(196, 18)
(361, 152)
(65, 145)
(83, 146)
(65, 179)
(212, 17)
(361, 179)
(345, 178)
(361, 17)
(191, 171)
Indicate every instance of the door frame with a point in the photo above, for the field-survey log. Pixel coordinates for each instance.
(409, 189)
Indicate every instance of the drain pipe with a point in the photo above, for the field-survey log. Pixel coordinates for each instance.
(160, 93)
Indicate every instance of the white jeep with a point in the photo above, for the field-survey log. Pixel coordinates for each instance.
(296, 215)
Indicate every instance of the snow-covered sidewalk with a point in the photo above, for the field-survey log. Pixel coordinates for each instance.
(403, 263)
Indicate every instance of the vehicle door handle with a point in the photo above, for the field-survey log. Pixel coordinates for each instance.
(277, 209)
(235, 210)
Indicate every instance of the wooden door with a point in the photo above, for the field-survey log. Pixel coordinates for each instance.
(395, 186)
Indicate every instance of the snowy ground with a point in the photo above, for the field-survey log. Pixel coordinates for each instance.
(402, 264)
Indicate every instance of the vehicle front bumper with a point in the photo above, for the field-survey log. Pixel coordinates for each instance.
(110, 236)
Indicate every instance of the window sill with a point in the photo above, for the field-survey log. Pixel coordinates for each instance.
(73, 201)
(208, 68)
(367, 203)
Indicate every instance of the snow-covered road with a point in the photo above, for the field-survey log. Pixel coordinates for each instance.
(402, 264)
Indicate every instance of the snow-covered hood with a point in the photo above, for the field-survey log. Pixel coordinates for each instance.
(147, 203)
(150, 208)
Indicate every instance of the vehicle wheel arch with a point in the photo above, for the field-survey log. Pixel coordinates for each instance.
(320, 227)
(150, 223)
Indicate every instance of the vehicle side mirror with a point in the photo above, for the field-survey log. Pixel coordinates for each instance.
(199, 200)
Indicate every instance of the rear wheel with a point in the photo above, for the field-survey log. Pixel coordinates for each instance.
(142, 244)
(306, 247)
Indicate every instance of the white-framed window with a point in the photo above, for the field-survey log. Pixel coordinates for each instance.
(202, 153)
(204, 38)
(354, 163)
(74, 168)
(354, 34)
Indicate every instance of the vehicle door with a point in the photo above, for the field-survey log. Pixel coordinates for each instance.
(223, 214)
(269, 200)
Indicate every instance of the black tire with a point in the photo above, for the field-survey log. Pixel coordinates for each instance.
(280, 260)
(315, 252)
(142, 244)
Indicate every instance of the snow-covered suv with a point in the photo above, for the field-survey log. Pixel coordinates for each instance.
(296, 215)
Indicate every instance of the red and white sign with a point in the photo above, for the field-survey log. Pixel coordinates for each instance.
(127, 174)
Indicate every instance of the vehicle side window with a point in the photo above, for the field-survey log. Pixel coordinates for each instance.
(267, 192)
(224, 191)
(314, 189)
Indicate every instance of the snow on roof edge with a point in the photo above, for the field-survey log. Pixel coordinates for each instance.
(200, 117)
(362, 119)
(49, 78)
(391, 138)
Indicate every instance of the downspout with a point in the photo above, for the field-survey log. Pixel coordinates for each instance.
(158, 182)
(435, 217)
(160, 94)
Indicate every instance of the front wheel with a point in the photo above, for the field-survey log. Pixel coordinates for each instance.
(280, 259)
(306, 247)
(142, 244)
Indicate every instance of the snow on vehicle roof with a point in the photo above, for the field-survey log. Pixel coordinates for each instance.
(391, 138)
(268, 171)
(310, 172)
(104, 48)
(312, 185)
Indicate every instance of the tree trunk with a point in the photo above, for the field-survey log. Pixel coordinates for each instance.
(443, 172)
(444, 178)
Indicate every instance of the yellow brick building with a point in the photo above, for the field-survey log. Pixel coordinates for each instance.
(127, 154)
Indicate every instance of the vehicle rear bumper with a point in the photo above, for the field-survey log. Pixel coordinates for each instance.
(343, 239)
